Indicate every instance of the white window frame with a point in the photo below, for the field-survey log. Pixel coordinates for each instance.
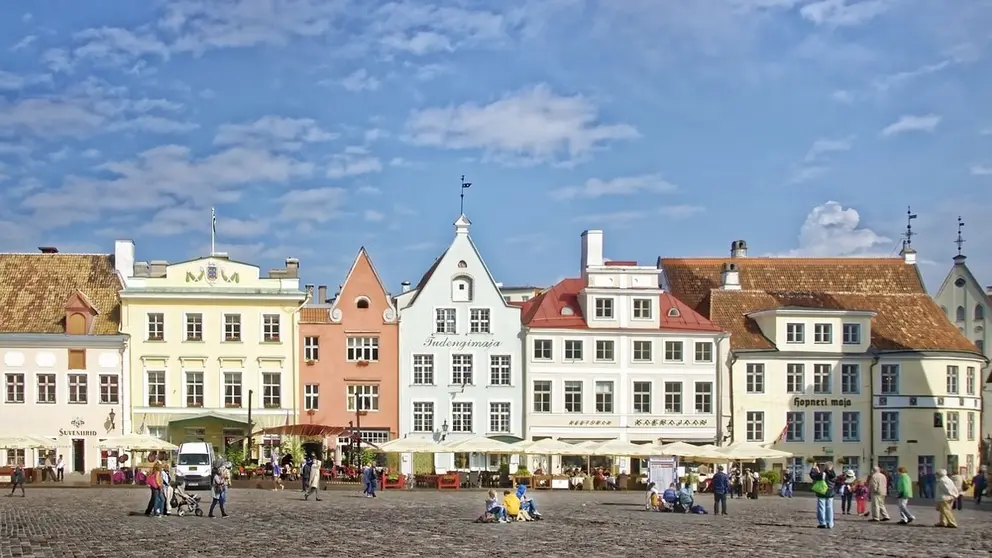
(754, 426)
(271, 391)
(604, 308)
(952, 425)
(538, 347)
(368, 393)
(889, 426)
(971, 427)
(546, 396)
(851, 333)
(821, 434)
(674, 400)
(148, 387)
(608, 352)
(234, 401)
(426, 414)
(845, 368)
(446, 321)
(311, 397)
(151, 327)
(823, 378)
(570, 349)
(500, 370)
(186, 387)
(641, 400)
(113, 389)
(480, 320)
(845, 423)
(50, 383)
(642, 309)
(500, 415)
(891, 371)
(673, 347)
(703, 399)
(462, 369)
(362, 348)
(795, 430)
(823, 333)
(232, 330)
(638, 353)
(190, 327)
(423, 371)
(795, 333)
(708, 350)
(459, 416)
(953, 380)
(567, 393)
(754, 377)
(271, 332)
(605, 396)
(78, 386)
(311, 348)
(795, 371)
(969, 380)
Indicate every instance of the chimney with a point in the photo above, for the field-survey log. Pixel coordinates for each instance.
(157, 268)
(308, 287)
(322, 294)
(140, 269)
(592, 249)
(124, 259)
(292, 267)
(738, 249)
(48, 250)
(406, 286)
(730, 277)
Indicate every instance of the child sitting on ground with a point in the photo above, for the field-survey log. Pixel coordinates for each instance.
(511, 507)
(494, 512)
(653, 500)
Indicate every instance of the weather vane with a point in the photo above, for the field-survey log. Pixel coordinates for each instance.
(465, 186)
(909, 234)
(960, 240)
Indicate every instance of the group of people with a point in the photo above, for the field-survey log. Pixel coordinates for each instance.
(162, 485)
(673, 499)
(515, 506)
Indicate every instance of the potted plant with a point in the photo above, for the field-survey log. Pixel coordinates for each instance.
(773, 479)
(311, 362)
(393, 480)
(522, 476)
(363, 363)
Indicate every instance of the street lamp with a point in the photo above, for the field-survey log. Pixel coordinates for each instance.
(444, 430)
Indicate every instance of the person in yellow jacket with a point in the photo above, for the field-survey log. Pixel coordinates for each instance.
(511, 504)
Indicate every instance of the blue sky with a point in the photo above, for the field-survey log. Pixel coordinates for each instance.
(315, 127)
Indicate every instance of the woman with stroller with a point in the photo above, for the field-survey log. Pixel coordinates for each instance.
(154, 482)
(218, 491)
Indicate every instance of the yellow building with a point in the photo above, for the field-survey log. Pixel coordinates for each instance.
(212, 344)
(845, 360)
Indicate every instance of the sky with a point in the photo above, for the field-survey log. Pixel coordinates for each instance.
(315, 127)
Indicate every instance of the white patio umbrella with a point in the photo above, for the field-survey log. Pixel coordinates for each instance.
(749, 451)
(25, 442)
(689, 451)
(550, 446)
(481, 444)
(137, 442)
(413, 445)
(620, 448)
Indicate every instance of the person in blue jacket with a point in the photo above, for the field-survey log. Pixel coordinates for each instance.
(721, 487)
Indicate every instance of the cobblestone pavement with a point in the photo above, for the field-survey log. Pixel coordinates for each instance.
(94, 522)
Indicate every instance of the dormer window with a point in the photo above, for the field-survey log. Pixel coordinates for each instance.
(75, 324)
(462, 264)
(795, 333)
(461, 289)
(673, 313)
(79, 314)
(362, 303)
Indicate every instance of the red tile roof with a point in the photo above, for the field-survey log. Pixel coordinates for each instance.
(545, 310)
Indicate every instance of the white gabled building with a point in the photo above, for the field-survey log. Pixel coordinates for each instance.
(612, 355)
(459, 354)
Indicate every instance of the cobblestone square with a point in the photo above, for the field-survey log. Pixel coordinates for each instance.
(93, 523)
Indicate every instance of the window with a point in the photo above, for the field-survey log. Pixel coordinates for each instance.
(271, 390)
(110, 389)
(822, 378)
(642, 397)
(156, 388)
(270, 328)
(77, 359)
(311, 397)
(890, 379)
(604, 350)
(461, 288)
(850, 426)
(423, 370)
(499, 417)
(311, 348)
(969, 380)
(46, 388)
(604, 308)
(673, 397)
(952, 380)
(16, 457)
(704, 351)
(852, 334)
(642, 308)
(363, 349)
(423, 416)
(499, 371)
(542, 349)
(959, 314)
(754, 378)
(642, 351)
(604, 397)
(979, 312)
(890, 426)
(232, 389)
(156, 327)
(194, 389)
(444, 321)
(362, 303)
(704, 397)
(822, 426)
(461, 370)
(795, 426)
(478, 320)
(971, 427)
(573, 397)
(795, 333)
(194, 327)
(461, 417)
(755, 426)
(850, 379)
(542, 396)
(367, 397)
(573, 350)
(795, 378)
(673, 351)
(952, 424)
(232, 328)
(823, 333)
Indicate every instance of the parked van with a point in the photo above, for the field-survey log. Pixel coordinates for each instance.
(193, 464)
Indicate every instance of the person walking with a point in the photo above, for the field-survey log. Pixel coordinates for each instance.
(946, 494)
(980, 484)
(371, 481)
(365, 482)
(17, 479)
(958, 480)
(847, 491)
(305, 472)
(904, 490)
(60, 469)
(823, 487)
(878, 486)
(721, 488)
(276, 473)
(154, 481)
(787, 482)
(218, 492)
(313, 478)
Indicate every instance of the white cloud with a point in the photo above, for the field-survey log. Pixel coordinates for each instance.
(373, 216)
(420, 29)
(981, 170)
(844, 13)
(806, 173)
(369, 190)
(614, 219)
(909, 123)
(274, 132)
(317, 204)
(533, 125)
(624, 186)
(678, 212)
(353, 164)
(47, 117)
(824, 146)
(153, 124)
(360, 80)
(24, 43)
(14, 82)
(832, 230)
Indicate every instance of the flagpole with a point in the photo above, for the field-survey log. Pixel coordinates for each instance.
(465, 185)
(213, 231)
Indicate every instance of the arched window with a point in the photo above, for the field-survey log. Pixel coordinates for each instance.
(461, 289)
(959, 315)
(363, 303)
(979, 312)
(75, 324)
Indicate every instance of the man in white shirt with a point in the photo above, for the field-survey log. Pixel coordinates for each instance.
(60, 469)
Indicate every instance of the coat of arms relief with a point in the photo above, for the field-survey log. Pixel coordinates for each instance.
(210, 274)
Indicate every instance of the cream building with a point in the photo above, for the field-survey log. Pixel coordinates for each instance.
(213, 344)
(844, 360)
(61, 356)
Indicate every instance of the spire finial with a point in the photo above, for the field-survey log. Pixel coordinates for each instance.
(465, 186)
(907, 237)
(960, 240)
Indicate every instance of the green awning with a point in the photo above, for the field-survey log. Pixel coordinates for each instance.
(506, 438)
(210, 417)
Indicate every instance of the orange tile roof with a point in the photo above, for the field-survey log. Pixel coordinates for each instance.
(34, 289)
(545, 310)
(906, 317)
(315, 315)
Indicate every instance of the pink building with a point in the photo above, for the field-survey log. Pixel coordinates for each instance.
(349, 373)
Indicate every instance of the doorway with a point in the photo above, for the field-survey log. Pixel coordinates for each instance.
(78, 455)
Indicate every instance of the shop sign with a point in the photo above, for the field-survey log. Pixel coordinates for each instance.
(590, 423)
(823, 402)
(77, 425)
(696, 423)
(450, 342)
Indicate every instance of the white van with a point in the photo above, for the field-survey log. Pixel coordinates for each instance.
(193, 464)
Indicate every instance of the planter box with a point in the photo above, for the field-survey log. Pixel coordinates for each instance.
(541, 482)
(398, 484)
(449, 482)
(524, 480)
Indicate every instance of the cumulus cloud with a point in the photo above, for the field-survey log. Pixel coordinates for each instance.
(833, 230)
(622, 186)
(910, 123)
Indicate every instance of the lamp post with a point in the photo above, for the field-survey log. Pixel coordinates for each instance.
(987, 453)
(444, 430)
(358, 428)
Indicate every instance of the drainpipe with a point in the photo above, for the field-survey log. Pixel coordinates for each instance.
(730, 380)
(871, 415)
(295, 361)
(719, 386)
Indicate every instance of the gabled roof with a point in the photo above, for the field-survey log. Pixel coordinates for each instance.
(906, 318)
(315, 315)
(961, 268)
(362, 257)
(545, 310)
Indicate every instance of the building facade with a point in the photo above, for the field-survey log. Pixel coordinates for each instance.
(845, 360)
(61, 353)
(611, 355)
(349, 376)
(460, 364)
(213, 344)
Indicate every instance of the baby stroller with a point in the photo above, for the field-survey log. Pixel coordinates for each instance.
(184, 502)
(683, 504)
